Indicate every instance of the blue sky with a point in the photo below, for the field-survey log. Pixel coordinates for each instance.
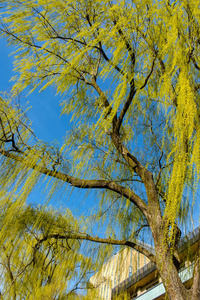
(45, 113)
(47, 123)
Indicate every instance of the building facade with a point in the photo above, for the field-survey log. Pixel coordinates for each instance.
(130, 272)
(117, 269)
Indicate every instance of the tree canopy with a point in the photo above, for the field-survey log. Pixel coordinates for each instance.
(128, 75)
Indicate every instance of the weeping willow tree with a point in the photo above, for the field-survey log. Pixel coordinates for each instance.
(128, 73)
(36, 262)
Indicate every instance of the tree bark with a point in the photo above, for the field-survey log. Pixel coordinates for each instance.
(169, 273)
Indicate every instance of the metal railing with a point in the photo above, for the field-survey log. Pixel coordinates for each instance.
(128, 282)
(159, 289)
(191, 238)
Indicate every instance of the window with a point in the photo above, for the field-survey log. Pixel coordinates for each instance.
(130, 267)
(130, 270)
(102, 291)
(107, 291)
(138, 261)
(115, 281)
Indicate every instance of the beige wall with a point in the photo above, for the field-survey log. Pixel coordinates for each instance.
(118, 268)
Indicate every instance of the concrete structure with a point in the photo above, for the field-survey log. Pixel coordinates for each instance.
(117, 269)
(130, 272)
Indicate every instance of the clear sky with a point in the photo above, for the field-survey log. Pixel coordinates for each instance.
(45, 113)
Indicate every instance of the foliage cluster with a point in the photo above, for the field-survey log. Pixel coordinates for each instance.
(128, 74)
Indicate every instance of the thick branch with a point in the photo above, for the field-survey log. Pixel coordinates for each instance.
(104, 99)
(108, 60)
(128, 46)
(126, 107)
(109, 241)
(129, 158)
(132, 81)
(81, 183)
(195, 63)
(145, 175)
(148, 76)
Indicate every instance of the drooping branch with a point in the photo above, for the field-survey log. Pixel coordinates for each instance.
(10, 273)
(30, 44)
(80, 74)
(79, 237)
(80, 183)
(85, 236)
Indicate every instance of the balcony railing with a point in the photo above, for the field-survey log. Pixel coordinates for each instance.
(159, 289)
(128, 282)
(190, 238)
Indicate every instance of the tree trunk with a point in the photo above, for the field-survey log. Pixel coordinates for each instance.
(175, 289)
(169, 275)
